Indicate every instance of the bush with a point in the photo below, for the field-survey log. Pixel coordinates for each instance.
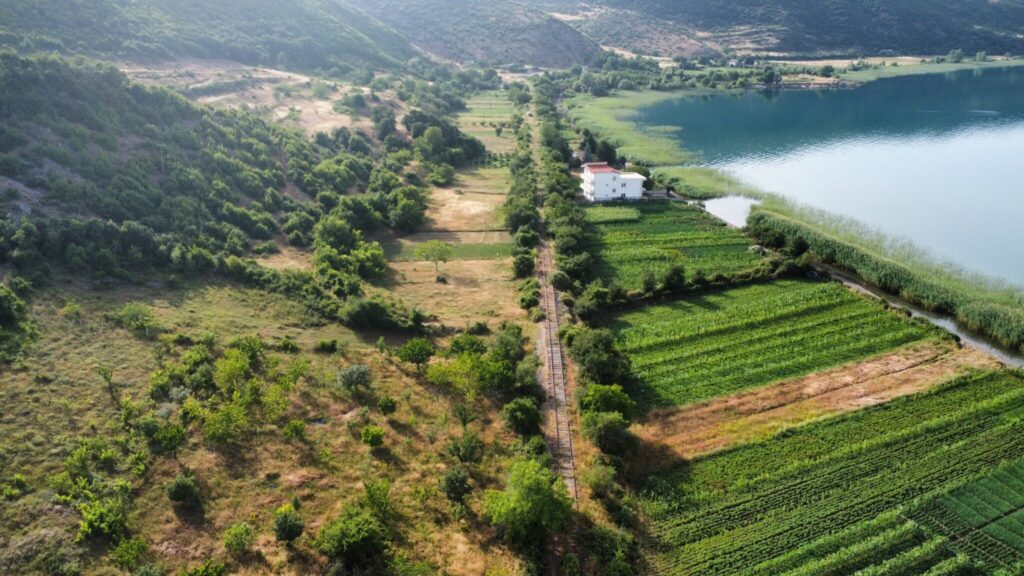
(372, 436)
(523, 265)
(600, 478)
(355, 377)
(288, 525)
(355, 538)
(209, 568)
(168, 438)
(184, 490)
(522, 416)
(467, 343)
(468, 448)
(609, 431)
(387, 405)
(602, 398)
(533, 504)
(378, 498)
(238, 538)
(129, 553)
(295, 430)
(597, 357)
(327, 346)
(455, 484)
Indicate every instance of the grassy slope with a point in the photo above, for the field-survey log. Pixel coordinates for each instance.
(308, 33)
(475, 31)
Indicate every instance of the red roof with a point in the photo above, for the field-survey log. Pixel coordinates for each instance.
(599, 167)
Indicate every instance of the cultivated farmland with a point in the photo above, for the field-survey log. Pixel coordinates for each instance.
(825, 499)
(630, 242)
(983, 519)
(724, 342)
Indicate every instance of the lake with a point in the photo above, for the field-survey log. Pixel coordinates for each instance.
(936, 159)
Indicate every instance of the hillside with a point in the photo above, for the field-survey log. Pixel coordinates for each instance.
(669, 27)
(479, 31)
(302, 34)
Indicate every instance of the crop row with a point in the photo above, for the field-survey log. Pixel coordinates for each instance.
(632, 242)
(798, 514)
(727, 342)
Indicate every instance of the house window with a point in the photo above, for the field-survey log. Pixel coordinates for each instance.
(623, 184)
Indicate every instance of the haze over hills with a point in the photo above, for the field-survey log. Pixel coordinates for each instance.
(867, 27)
(304, 34)
(475, 31)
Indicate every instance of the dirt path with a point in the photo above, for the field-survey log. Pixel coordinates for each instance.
(557, 429)
(708, 427)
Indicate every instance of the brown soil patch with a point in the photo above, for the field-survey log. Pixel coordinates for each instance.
(457, 210)
(287, 258)
(703, 428)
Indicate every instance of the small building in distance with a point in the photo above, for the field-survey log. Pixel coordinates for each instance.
(602, 183)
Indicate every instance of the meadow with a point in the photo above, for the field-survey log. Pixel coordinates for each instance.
(484, 112)
(631, 241)
(724, 342)
(825, 498)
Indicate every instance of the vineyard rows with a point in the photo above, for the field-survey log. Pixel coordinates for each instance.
(725, 342)
(826, 498)
(631, 242)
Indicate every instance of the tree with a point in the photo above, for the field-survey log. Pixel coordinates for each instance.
(354, 538)
(597, 358)
(534, 503)
(431, 146)
(417, 351)
(468, 448)
(435, 251)
(387, 405)
(288, 525)
(523, 265)
(522, 416)
(455, 484)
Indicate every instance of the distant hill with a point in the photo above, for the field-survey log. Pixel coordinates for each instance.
(485, 31)
(303, 34)
(866, 27)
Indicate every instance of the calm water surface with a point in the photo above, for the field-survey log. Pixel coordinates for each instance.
(936, 159)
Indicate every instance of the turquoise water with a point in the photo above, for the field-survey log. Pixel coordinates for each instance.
(936, 159)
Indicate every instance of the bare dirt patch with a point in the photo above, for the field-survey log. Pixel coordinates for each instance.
(284, 97)
(287, 258)
(704, 428)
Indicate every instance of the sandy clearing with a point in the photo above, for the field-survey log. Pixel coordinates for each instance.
(708, 427)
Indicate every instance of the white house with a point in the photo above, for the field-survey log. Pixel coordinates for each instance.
(602, 183)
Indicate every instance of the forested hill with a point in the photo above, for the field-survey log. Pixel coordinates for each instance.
(302, 34)
(485, 31)
(866, 27)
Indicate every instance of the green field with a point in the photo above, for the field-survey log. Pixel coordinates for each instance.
(406, 251)
(825, 499)
(629, 242)
(983, 519)
(483, 113)
(879, 72)
(725, 342)
(612, 118)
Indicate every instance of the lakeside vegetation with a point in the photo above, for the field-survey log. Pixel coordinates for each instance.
(819, 495)
(720, 343)
(872, 73)
(993, 309)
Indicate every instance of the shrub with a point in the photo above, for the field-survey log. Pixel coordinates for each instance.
(600, 478)
(602, 398)
(597, 358)
(168, 438)
(288, 525)
(522, 416)
(523, 265)
(226, 425)
(209, 568)
(238, 538)
(387, 405)
(467, 343)
(184, 490)
(129, 553)
(378, 498)
(468, 448)
(354, 538)
(455, 484)
(609, 431)
(372, 436)
(355, 377)
(417, 351)
(295, 430)
(327, 346)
